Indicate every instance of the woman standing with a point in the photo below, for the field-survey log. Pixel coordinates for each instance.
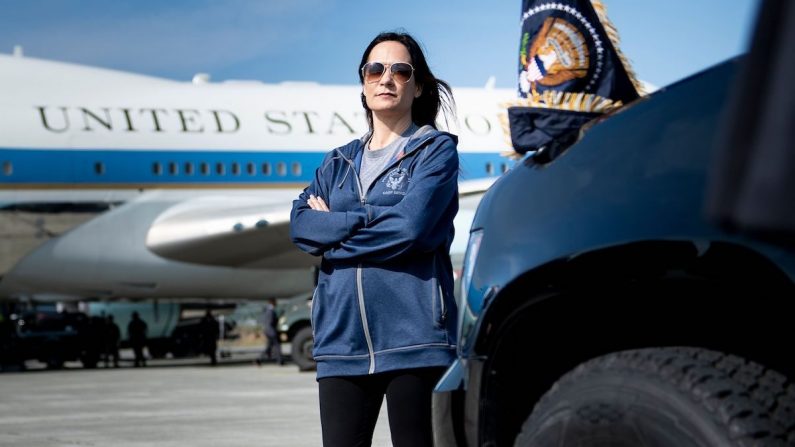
(380, 212)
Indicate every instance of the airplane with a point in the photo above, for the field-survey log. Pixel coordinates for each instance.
(122, 185)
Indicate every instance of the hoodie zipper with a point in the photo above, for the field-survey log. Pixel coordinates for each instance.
(365, 326)
(359, 282)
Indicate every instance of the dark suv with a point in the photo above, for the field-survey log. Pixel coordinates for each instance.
(600, 305)
(53, 338)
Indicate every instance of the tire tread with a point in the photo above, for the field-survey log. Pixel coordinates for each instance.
(755, 405)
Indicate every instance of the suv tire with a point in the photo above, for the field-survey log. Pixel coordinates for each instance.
(677, 397)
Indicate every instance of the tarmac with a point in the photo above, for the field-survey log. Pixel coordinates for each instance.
(171, 402)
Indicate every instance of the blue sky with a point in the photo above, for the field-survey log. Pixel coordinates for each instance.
(466, 41)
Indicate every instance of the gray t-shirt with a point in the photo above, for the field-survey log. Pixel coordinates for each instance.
(373, 162)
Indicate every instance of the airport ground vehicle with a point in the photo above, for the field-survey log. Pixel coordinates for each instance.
(52, 338)
(172, 327)
(295, 327)
(599, 301)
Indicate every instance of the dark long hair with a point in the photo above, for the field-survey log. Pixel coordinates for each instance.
(435, 94)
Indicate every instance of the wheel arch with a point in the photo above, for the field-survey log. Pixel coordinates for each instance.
(718, 295)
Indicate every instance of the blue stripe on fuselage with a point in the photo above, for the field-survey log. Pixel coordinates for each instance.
(20, 167)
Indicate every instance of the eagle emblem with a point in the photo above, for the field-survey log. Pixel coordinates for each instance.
(396, 181)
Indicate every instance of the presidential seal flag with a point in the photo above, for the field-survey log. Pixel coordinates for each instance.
(570, 71)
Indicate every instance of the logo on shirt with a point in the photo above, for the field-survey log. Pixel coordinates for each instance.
(396, 181)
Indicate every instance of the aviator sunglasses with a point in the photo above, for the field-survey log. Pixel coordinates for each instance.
(373, 71)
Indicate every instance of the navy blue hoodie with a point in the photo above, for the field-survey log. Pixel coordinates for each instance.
(384, 298)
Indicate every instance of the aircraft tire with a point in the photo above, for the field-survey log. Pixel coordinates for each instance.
(665, 397)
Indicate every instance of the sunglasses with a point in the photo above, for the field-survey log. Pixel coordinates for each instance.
(401, 71)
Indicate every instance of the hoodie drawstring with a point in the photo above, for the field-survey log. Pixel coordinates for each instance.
(344, 177)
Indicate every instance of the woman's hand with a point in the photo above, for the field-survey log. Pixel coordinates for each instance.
(317, 203)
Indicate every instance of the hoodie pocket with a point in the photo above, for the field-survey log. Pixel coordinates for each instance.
(439, 308)
(313, 305)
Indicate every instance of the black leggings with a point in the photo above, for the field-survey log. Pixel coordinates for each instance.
(349, 407)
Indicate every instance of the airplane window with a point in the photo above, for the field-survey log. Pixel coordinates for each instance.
(157, 169)
(296, 169)
(99, 168)
(189, 168)
(205, 168)
(281, 168)
(266, 168)
(173, 169)
(489, 168)
(251, 169)
(219, 168)
(504, 168)
(8, 168)
(236, 168)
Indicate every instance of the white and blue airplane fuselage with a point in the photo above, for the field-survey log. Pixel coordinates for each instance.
(186, 186)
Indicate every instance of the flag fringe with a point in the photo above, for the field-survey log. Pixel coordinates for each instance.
(574, 101)
(612, 34)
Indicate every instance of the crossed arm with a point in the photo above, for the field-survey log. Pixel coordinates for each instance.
(317, 203)
(419, 222)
